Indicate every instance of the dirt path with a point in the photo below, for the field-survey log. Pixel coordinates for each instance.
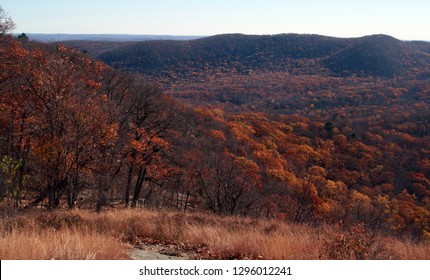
(157, 252)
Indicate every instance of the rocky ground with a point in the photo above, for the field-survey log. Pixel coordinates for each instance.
(157, 252)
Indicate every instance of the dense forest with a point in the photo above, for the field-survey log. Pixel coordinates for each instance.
(376, 55)
(301, 128)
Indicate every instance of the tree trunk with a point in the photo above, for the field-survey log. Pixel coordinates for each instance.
(186, 202)
(139, 184)
(71, 195)
(100, 199)
(128, 186)
(55, 191)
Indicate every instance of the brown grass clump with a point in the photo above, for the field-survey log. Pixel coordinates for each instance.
(260, 240)
(55, 235)
(60, 245)
(404, 249)
(108, 235)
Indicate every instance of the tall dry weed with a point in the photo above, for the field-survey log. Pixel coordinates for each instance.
(60, 245)
(84, 234)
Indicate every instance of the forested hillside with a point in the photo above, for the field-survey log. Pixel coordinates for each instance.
(304, 129)
(377, 55)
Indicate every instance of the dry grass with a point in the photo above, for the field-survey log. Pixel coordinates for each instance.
(405, 249)
(62, 245)
(215, 237)
(87, 235)
(261, 240)
(39, 236)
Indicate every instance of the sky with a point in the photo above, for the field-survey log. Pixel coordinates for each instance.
(403, 19)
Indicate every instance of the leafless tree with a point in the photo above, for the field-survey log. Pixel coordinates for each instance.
(6, 22)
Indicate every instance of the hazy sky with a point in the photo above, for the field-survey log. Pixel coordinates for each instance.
(403, 19)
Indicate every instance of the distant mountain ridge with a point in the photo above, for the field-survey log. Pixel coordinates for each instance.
(49, 38)
(376, 55)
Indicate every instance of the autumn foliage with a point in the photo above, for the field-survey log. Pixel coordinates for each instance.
(306, 149)
(70, 123)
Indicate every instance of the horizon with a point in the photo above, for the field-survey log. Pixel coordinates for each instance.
(182, 37)
(404, 20)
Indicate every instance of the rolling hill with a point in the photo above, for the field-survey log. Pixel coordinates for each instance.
(377, 55)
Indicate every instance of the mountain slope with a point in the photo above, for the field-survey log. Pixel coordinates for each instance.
(421, 46)
(242, 52)
(377, 55)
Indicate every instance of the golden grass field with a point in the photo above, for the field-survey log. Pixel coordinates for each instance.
(110, 235)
